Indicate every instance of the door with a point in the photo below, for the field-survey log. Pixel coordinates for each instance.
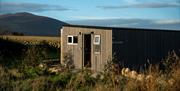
(87, 50)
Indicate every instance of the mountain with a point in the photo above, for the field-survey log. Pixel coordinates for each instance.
(29, 24)
(131, 23)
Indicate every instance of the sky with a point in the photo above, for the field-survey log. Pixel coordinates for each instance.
(167, 11)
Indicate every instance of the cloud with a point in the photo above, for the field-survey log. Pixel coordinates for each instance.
(94, 17)
(130, 1)
(132, 23)
(11, 7)
(142, 5)
(167, 22)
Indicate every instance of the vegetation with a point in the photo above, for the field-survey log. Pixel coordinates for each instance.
(31, 74)
(33, 40)
(15, 53)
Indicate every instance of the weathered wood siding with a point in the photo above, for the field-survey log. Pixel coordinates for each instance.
(97, 60)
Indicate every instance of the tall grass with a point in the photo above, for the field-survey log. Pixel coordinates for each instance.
(85, 81)
(34, 78)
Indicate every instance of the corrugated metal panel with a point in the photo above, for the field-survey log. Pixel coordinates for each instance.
(133, 48)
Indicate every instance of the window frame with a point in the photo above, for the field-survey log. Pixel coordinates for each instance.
(72, 37)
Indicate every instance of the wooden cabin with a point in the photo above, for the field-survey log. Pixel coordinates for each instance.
(93, 46)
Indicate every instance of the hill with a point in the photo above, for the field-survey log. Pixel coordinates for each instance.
(29, 24)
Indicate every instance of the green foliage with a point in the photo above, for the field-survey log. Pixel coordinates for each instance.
(34, 56)
(60, 80)
(32, 72)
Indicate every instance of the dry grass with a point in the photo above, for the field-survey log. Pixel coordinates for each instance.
(31, 38)
(36, 79)
(84, 81)
(54, 41)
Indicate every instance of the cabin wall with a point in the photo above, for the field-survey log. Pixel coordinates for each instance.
(134, 47)
(97, 60)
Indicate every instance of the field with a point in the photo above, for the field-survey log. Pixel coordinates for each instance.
(14, 49)
(22, 68)
(33, 40)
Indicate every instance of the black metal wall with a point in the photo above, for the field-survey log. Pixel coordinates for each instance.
(133, 47)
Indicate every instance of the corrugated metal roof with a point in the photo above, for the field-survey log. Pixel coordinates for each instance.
(120, 28)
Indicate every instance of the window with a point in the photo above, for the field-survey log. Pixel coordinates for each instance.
(97, 39)
(75, 39)
(72, 39)
(69, 39)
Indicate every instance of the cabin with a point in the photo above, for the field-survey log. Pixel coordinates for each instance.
(93, 46)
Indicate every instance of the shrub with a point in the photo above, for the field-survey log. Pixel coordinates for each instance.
(34, 56)
(61, 80)
(32, 72)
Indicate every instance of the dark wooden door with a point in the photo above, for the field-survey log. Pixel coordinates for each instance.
(87, 50)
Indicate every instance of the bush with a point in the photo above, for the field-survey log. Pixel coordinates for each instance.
(33, 72)
(34, 56)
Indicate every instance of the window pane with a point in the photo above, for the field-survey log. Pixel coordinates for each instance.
(75, 40)
(69, 39)
(97, 39)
